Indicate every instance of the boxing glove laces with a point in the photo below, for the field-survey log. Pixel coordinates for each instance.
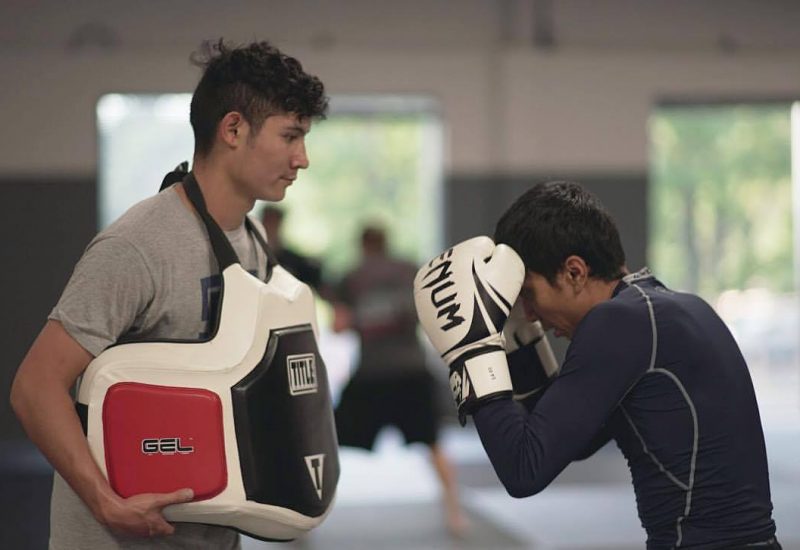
(531, 360)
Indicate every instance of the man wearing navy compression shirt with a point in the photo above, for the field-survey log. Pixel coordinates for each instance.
(654, 369)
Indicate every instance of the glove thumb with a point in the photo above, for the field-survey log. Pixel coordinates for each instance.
(505, 272)
(481, 247)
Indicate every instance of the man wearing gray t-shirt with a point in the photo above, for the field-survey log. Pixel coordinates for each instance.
(152, 275)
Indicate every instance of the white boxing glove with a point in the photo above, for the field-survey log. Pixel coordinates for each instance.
(463, 298)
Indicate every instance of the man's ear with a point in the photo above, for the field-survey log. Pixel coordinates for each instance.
(231, 129)
(576, 272)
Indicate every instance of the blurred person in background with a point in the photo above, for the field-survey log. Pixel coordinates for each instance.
(392, 385)
(304, 268)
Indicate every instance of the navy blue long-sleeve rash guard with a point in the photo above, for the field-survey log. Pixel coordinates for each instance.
(659, 372)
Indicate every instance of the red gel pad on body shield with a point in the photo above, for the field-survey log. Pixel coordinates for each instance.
(161, 439)
(244, 419)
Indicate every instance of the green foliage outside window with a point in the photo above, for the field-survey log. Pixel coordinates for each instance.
(721, 198)
(380, 164)
(366, 168)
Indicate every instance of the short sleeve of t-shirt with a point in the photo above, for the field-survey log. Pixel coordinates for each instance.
(107, 294)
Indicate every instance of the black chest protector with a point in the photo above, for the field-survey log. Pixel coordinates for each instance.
(244, 419)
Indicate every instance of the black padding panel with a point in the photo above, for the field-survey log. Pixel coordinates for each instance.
(285, 431)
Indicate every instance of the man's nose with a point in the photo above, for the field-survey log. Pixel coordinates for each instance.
(300, 158)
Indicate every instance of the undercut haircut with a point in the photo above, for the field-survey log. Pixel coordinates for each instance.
(256, 80)
(557, 219)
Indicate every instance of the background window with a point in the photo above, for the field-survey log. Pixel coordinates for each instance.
(376, 158)
(721, 220)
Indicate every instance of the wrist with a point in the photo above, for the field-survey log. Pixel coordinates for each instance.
(103, 503)
(488, 373)
(526, 370)
(478, 376)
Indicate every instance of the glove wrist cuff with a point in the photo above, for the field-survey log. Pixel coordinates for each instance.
(488, 373)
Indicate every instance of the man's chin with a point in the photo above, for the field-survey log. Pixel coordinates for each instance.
(275, 194)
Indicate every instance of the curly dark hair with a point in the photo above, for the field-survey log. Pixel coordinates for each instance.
(557, 219)
(256, 80)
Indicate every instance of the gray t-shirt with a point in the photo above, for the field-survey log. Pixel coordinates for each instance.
(149, 275)
(380, 293)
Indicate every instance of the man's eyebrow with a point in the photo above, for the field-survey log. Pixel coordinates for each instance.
(297, 128)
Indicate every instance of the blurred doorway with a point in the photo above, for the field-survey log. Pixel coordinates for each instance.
(723, 223)
(376, 157)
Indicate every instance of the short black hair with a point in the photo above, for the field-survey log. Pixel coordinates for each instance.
(557, 219)
(256, 80)
(373, 237)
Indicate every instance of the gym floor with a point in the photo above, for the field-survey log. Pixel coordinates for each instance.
(390, 499)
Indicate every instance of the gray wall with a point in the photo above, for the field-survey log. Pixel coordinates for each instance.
(45, 227)
(527, 88)
(473, 205)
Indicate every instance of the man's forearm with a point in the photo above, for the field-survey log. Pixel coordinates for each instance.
(41, 400)
(47, 413)
(515, 451)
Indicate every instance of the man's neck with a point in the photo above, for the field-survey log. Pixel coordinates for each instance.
(224, 204)
(598, 291)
